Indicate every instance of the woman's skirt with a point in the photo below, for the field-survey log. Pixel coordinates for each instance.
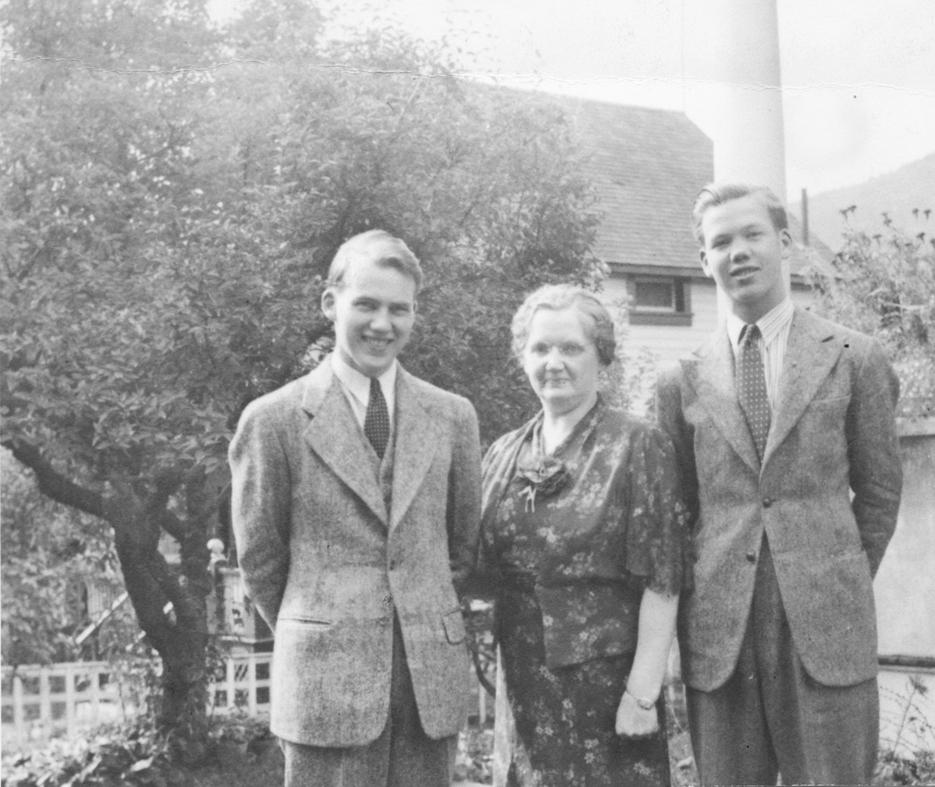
(564, 717)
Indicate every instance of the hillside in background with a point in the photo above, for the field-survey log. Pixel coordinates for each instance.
(897, 193)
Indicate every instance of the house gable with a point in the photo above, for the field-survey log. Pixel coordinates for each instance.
(646, 166)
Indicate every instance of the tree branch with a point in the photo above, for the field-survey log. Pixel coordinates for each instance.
(54, 484)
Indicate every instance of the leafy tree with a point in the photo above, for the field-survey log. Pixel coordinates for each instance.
(94, 143)
(884, 285)
(164, 233)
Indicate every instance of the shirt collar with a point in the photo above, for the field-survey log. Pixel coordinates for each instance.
(770, 324)
(359, 384)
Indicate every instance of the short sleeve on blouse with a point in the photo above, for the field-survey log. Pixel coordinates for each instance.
(656, 516)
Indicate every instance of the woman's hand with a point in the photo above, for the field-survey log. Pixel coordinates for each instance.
(634, 721)
(656, 629)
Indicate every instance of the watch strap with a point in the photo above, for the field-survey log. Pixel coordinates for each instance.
(643, 702)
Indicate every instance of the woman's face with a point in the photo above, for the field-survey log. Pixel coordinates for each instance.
(560, 360)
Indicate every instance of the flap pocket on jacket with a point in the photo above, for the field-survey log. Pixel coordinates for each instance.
(453, 624)
(300, 620)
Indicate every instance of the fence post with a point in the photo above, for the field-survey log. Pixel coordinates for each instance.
(70, 699)
(94, 694)
(45, 700)
(231, 680)
(19, 723)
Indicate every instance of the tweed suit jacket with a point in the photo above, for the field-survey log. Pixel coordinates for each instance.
(827, 497)
(326, 563)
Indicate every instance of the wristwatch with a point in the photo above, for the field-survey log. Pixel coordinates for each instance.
(642, 702)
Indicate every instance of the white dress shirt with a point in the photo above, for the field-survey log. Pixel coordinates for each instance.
(357, 387)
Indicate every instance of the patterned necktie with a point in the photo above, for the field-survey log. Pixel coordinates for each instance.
(751, 387)
(377, 422)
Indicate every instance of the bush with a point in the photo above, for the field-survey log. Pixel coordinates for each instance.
(241, 752)
(894, 769)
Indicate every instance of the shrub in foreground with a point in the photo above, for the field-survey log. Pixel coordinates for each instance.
(239, 751)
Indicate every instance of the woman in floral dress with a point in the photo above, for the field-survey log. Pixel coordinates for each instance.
(583, 543)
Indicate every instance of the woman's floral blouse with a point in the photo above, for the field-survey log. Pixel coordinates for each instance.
(589, 547)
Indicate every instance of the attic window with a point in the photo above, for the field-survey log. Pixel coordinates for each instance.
(659, 300)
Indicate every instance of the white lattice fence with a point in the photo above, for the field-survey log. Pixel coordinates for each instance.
(44, 702)
(61, 700)
(40, 703)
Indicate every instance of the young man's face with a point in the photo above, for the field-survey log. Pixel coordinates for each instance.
(743, 252)
(373, 311)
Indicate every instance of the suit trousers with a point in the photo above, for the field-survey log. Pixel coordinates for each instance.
(771, 718)
(403, 755)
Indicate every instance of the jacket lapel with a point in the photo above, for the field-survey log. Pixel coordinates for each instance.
(418, 436)
(334, 434)
(712, 376)
(811, 354)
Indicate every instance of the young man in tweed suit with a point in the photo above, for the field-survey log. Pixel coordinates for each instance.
(356, 492)
(784, 427)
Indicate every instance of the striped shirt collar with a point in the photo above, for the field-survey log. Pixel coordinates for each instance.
(771, 324)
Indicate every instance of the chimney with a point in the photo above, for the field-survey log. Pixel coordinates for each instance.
(733, 91)
(734, 87)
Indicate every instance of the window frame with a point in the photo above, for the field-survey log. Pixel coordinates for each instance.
(680, 312)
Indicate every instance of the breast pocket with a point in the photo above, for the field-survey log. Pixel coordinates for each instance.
(831, 401)
(826, 417)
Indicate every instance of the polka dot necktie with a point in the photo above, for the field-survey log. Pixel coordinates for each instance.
(377, 421)
(751, 387)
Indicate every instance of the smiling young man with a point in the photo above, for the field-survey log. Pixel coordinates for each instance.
(356, 496)
(785, 432)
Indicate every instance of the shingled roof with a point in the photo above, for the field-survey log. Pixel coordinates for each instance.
(647, 165)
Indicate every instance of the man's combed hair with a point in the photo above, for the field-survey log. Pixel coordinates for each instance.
(715, 194)
(378, 247)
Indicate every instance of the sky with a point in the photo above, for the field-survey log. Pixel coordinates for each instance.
(858, 76)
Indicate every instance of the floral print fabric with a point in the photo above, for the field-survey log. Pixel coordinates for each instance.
(570, 564)
(564, 718)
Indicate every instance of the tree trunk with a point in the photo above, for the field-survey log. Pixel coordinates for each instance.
(169, 601)
(178, 634)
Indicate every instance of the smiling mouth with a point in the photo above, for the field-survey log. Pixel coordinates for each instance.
(742, 273)
(377, 343)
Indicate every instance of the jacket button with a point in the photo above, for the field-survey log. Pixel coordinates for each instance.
(751, 556)
(384, 622)
(767, 502)
(387, 599)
